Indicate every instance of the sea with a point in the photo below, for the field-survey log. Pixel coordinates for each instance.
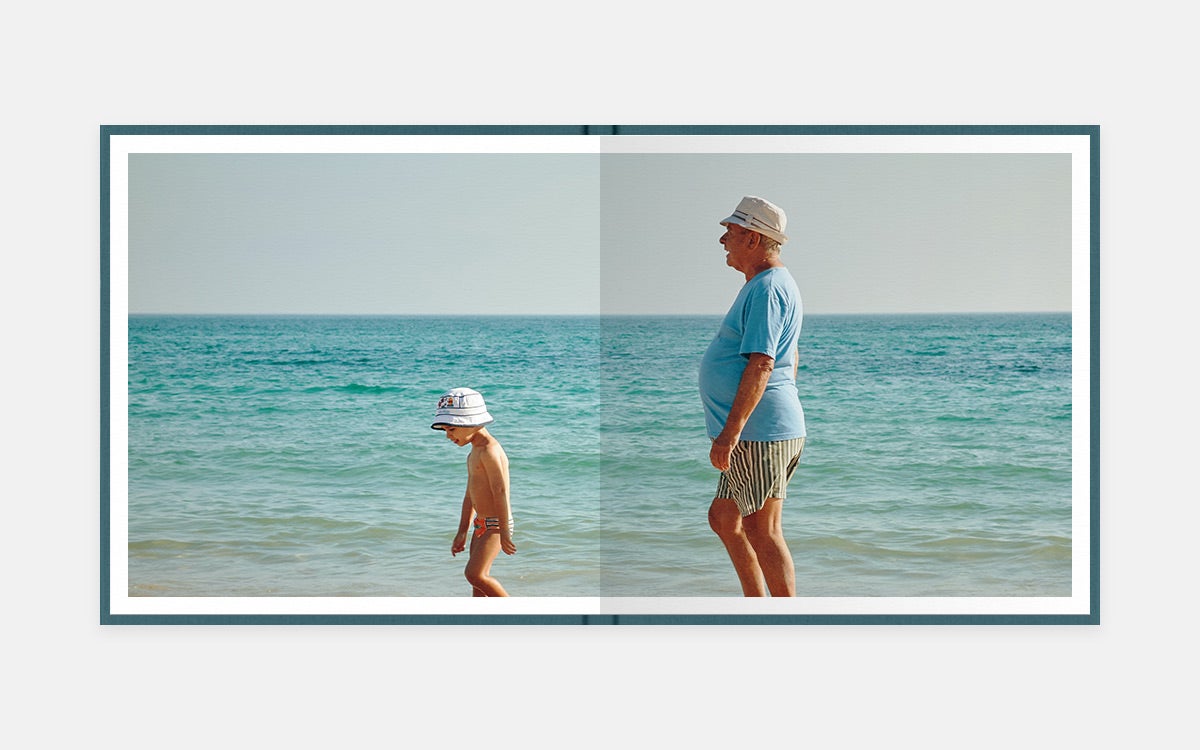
(292, 456)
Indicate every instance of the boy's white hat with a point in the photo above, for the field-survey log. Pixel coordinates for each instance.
(760, 215)
(461, 407)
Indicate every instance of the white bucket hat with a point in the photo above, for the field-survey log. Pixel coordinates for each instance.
(759, 215)
(461, 407)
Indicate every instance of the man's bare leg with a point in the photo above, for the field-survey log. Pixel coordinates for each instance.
(726, 520)
(764, 529)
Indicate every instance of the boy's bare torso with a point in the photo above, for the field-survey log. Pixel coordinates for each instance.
(487, 477)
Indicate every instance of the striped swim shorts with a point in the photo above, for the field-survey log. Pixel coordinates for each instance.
(758, 471)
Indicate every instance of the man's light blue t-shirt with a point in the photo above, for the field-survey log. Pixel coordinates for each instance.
(765, 318)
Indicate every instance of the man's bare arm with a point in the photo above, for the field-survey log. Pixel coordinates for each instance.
(750, 391)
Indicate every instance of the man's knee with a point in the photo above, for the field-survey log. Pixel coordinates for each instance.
(766, 524)
(724, 518)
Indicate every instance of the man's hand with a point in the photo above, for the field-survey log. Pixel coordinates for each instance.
(459, 544)
(722, 449)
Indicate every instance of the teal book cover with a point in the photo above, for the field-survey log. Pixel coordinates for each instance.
(608, 374)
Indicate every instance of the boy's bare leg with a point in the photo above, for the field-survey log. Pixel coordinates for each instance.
(764, 529)
(478, 572)
(726, 520)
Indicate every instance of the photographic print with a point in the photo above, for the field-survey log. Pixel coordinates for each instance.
(377, 374)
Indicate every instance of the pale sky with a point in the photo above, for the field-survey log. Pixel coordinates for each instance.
(587, 233)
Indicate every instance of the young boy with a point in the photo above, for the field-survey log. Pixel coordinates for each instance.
(463, 416)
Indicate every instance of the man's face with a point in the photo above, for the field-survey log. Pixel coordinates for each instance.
(741, 246)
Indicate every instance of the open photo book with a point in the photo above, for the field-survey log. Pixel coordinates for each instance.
(286, 310)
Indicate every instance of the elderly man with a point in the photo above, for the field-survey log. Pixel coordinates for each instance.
(752, 409)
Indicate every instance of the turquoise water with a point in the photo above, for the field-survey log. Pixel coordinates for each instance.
(292, 456)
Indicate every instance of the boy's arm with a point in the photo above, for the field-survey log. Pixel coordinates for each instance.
(464, 523)
(497, 473)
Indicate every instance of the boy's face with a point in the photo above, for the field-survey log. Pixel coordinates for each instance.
(460, 436)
